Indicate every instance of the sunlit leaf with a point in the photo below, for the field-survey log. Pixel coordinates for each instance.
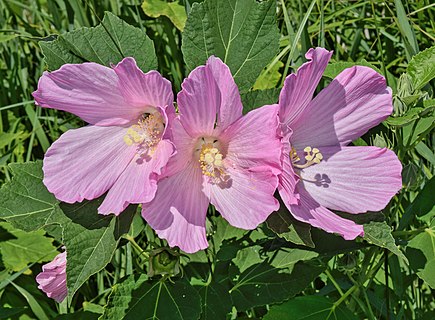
(106, 44)
(421, 253)
(173, 10)
(243, 33)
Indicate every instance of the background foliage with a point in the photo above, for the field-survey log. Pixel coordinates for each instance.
(284, 267)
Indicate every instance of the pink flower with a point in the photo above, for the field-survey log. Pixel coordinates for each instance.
(52, 279)
(126, 145)
(320, 170)
(223, 158)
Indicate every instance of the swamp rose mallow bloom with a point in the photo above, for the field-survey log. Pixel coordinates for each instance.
(126, 145)
(223, 158)
(320, 170)
(52, 279)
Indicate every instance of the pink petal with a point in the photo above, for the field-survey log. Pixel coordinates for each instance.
(52, 279)
(179, 209)
(231, 107)
(299, 88)
(207, 92)
(144, 89)
(184, 145)
(355, 101)
(311, 212)
(247, 199)
(253, 140)
(288, 178)
(354, 179)
(88, 90)
(138, 182)
(84, 163)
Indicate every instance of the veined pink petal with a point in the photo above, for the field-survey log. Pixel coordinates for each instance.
(84, 163)
(209, 97)
(178, 210)
(231, 107)
(299, 88)
(138, 182)
(198, 102)
(52, 279)
(355, 101)
(144, 89)
(253, 140)
(288, 178)
(247, 199)
(311, 212)
(354, 179)
(88, 90)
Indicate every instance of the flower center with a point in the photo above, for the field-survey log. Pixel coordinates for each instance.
(313, 156)
(147, 132)
(211, 160)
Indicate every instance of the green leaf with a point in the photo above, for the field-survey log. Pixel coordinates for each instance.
(421, 68)
(243, 33)
(287, 258)
(425, 152)
(33, 303)
(91, 240)
(379, 234)
(263, 284)
(418, 129)
(25, 248)
(255, 99)
(407, 118)
(423, 205)
(411, 44)
(334, 68)
(173, 10)
(7, 313)
(269, 79)
(26, 202)
(4, 37)
(224, 231)
(216, 301)
(247, 257)
(421, 254)
(108, 43)
(287, 227)
(309, 308)
(141, 299)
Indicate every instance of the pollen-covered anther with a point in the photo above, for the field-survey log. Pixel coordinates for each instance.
(313, 156)
(210, 160)
(147, 132)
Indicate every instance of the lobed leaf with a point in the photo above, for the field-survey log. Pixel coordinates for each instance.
(158, 300)
(421, 253)
(263, 284)
(91, 240)
(106, 44)
(421, 68)
(243, 33)
(309, 308)
(26, 202)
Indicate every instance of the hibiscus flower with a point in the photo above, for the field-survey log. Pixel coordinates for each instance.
(126, 144)
(223, 158)
(320, 170)
(52, 279)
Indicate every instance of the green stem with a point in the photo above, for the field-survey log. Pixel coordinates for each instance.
(137, 247)
(329, 275)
